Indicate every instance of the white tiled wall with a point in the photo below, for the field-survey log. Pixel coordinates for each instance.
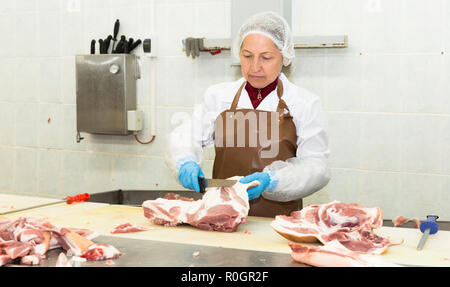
(386, 97)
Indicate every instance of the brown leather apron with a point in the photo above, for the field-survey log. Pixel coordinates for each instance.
(238, 159)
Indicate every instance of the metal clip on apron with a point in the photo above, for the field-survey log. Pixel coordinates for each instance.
(234, 160)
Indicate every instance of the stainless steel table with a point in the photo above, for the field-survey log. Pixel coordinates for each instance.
(148, 253)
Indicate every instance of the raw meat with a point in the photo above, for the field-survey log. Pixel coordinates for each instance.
(62, 261)
(101, 252)
(128, 228)
(220, 209)
(30, 238)
(399, 220)
(416, 222)
(72, 242)
(15, 249)
(34, 259)
(334, 254)
(172, 195)
(86, 233)
(167, 212)
(4, 259)
(37, 232)
(348, 223)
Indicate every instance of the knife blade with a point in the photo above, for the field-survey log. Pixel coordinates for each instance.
(214, 182)
(69, 200)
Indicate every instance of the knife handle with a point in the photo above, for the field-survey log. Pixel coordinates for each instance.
(116, 29)
(202, 183)
(135, 44)
(430, 223)
(77, 198)
(130, 42)
(107, 42)
(101, 44)
(125, 47)
(117, 48)
(120, 45)
(93, 47)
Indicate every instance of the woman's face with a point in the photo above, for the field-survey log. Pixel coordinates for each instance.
(261, 60)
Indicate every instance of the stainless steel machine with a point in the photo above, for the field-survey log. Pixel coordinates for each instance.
(106, 93)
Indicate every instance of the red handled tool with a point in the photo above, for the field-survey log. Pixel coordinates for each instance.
(69, 200)
(77, 198)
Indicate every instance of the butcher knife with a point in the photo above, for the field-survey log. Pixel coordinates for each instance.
(134, 45)
(102, 46)
(93, 47)
(214, 182)
(107, 41)
(116, 30)
(69, 200)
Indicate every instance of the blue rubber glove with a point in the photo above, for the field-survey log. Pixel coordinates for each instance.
(264, 182)
(188, 175)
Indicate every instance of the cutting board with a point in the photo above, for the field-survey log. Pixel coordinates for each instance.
(10, 202)
(436, 251)
(256, 234)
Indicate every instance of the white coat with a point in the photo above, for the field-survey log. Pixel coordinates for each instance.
(297, 177)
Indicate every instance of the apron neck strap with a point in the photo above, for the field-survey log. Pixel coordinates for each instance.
(281, 103)
(237, 96)
(280, 89)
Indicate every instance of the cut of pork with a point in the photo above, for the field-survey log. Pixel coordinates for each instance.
(220, 209)
(62, 261)
(399, 220)
(30, 238)
(334, 254)
(167, 212)
(128, 228)
(348, 223)
(33, 259)
(4, 259)
(15, 249)
(100, 251)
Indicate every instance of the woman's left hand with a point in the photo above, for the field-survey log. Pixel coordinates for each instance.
(264, 182)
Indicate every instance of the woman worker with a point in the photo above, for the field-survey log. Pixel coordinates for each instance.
(293, 162)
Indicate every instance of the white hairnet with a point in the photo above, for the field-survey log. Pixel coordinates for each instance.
(271, 25)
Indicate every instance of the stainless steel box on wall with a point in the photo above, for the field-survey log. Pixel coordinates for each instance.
(106, 90)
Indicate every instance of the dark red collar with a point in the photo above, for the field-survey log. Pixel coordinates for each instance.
(253, 92)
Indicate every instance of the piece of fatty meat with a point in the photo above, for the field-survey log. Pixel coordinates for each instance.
(101, 252)
(220, 209)
(334, 254)
(348, 223)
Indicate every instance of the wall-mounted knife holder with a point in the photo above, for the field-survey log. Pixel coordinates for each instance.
(106, 91)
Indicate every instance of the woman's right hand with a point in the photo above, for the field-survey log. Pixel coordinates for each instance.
(188, 175)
